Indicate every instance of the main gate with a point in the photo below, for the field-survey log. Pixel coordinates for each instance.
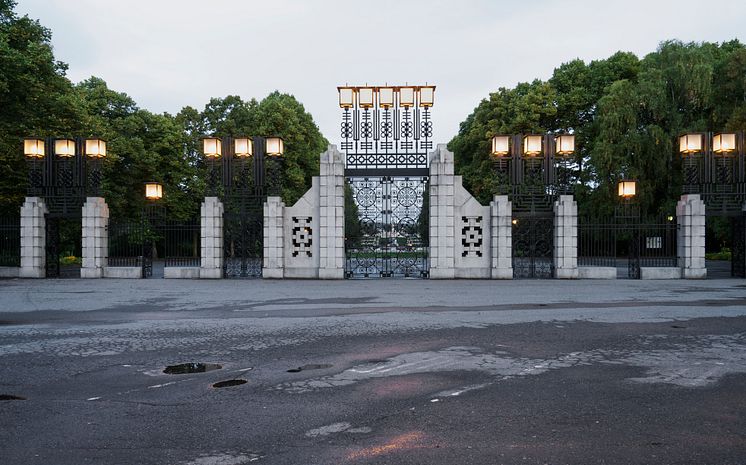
(386, 136)
(243, 242)
(533, 246)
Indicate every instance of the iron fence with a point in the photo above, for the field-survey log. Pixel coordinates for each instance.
(181, 243)
(126, 241)
(597, 243)
(10, 241)
(657, 244)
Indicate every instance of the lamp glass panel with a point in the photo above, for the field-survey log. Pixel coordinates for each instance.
(153, 191)
(406, 96)
(386, 96)
(33, 148)
(532, 145)
(346, 96)
(565, 144)
(95, 148)
(427, 96)
(627, 188)
(244, 147)
(64, 148)
(690, 143)
(724, 143)
(500, 145)
(212, 147)
(365, 97)
(275, 147)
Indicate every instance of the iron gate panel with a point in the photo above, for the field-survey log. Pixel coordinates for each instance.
(243, 244)
(738, 247)
(390, 237)
(10, 241)
(130, 245)
(63, 244)
(533, 247)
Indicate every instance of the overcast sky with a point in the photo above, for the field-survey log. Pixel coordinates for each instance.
(167, 54)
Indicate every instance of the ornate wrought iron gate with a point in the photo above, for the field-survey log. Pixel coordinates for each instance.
(387, 236)
(63, 247)
(243, 243)
(533, 246)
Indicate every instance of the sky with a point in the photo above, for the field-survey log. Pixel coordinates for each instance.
(167, 54)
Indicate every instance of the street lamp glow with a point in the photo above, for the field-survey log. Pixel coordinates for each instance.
(243, 147)
(500, 145)
(386, 97)
(153, 191)
(275, 146)
(33, 148)
(724, 143)
(64, 148)
(406, 96)
(565, 144)
(95, 148)
(690, 143)
(627, 189)
(532, 145)
(427, 96)
(365, 97)
(346, 97)
(212, 147)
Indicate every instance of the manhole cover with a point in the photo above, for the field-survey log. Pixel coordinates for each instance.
(11, 397)
(229, 383)
(187, 368)
(310, 367)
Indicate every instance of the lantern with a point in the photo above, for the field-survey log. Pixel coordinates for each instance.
(500, 145)
(406, 96)
(33, 148)
(346, 97)
(386, 97)
(275, 147)
(627, 189)
(153, 191)
(95, 148)
(532, 145)
(565, 144)
(243, 147)
(212, 147)
(724, 143)
(427, 96)
(64, 148)
(365, 97)
(690, 143)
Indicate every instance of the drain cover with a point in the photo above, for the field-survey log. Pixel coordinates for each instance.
(309, 367)
(187, 368)
(229, 383)
(11, 397)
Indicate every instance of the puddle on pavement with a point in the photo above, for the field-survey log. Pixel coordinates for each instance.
(229, 383)
(11, 397)
(321, 366)
(189, 368)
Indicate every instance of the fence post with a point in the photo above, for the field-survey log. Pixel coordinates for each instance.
(331, 214)
(95, 238)
(502, 237)
(211, 234)
(690, 212)
(273, 259)
(566, 238)
(442, 211)
(33, 238)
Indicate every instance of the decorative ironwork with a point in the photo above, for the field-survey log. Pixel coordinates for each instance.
(302, 236)
(130, 245)
(533, 246)
(181, 243)
(63, 247)
(10, 241)
(738, 246)
(388, 241)
(471, 236)
(243, 247)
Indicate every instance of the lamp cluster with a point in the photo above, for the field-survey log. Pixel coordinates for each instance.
(35, 148)
(243, 147)
(721, 144)
(533, 145)
(386, 96)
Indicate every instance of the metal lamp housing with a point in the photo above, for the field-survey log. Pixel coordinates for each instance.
(274, 146)
(565, 144)
(33, 148)
(153, 191)
(386, 97)
(500, 146)
(346, 97)
(243, 147)
(427, 96)
(64, 148)
(212, 147)
(532, 145)
(690, 144)
(365, 97)
(95, 148)
(724, 143)
(627, 189)
(406, 97)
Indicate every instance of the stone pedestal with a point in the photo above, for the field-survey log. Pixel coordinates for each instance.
(690, 213)
(331, 215)
(502, 237)
(33, 238)
(566, 238)
(95, 238)
(211, 263)
(272, 265)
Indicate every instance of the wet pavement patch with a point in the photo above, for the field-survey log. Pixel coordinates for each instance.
(310, 367)
(11, 397)
(229, 383)
(188, 368)
(678, 327)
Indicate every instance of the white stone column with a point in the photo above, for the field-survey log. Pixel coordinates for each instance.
(33, 238)
(566, 238)
(331, 214)
(95, 237)
(442, 211)
(211, 234)
(690, 213)
(502, 237)
(274, 216)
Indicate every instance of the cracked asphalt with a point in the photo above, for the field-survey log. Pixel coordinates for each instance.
(373, 372)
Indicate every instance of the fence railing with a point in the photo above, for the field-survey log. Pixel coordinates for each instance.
(126, 241)
(658, 244)
(181, 243)
(10, 241)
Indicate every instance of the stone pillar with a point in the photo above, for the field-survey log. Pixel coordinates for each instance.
(95, 237)
(331, 214)
(502, 237)
(33, 238)
(566, 238)
(442, 211)
(211, 255)
(274, 214)
(690, 213)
